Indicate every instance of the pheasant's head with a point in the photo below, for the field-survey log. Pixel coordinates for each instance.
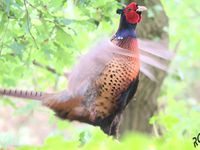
(132, 12)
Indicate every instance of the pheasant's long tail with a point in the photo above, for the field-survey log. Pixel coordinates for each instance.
(23, 94)
(62, 103)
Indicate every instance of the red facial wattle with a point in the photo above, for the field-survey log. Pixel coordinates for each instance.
(131, 15)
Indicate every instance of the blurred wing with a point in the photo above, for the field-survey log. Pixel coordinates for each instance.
(157, 49)
(153, 55)
(147, 72)
(153, 62)
(91, 65)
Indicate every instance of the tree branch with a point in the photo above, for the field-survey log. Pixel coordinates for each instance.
(2, 37)
(28, 24)
(52, 70)
(48, 68)
(50, 21)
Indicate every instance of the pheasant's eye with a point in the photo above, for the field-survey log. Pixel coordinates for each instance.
(129, 9)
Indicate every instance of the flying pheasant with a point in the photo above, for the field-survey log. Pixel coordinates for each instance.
(104, 80)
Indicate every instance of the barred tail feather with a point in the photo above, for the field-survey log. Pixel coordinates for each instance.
(62, 103)
(22, 94)
(52, 100)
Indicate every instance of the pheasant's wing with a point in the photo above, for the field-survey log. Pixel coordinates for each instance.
(158, 49)
(80, 81)
(154, 55)
(128, 94)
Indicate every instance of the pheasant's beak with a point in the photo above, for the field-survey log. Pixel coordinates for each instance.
(141, 9)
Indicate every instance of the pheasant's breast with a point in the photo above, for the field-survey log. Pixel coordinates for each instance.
(115, 79)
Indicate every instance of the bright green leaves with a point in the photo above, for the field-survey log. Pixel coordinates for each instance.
(17, 48)
(178, 120)
(184, 23)
(99, 141)
(3, 22)
(58, 143)
(63, 38)
(7, 5)
(62, 31)
(84, 137)
(53, 33)
(183, 84)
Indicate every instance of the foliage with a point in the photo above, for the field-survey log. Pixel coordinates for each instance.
(184, 38)
(49, 32)
(130, 141)
(54, 33)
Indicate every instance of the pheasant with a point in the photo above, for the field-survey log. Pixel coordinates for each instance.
(103, 81)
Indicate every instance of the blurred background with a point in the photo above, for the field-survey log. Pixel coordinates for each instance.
(40, 42)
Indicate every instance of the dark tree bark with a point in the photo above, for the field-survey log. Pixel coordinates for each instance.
(144, 104)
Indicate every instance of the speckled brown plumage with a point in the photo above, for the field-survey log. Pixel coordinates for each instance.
(102, 82)
(118, 74)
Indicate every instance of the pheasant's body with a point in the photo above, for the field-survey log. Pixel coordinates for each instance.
(100, 95)
(104, 80)
(115, 79)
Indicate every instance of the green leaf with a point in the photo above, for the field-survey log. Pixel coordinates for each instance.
(4, 21)
(17, 48)
(84, 137)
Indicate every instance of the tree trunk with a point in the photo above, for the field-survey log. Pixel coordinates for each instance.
(144, 104)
